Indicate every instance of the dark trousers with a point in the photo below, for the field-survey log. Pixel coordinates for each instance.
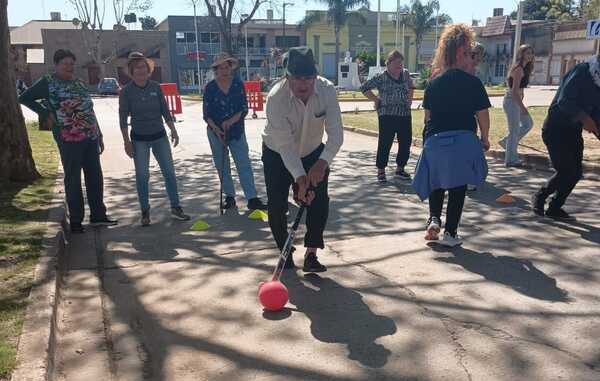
(278, 180)
(76, 156)
(456, 202)
(566, 154)
(390, 127)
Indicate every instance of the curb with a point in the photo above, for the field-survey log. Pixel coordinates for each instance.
(35, 351)
(538, 162)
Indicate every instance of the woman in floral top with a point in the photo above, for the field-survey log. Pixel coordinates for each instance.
(64, 102)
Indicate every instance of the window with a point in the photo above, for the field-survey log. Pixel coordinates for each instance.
(209, 38)
(185, 42)
(188, 79)
(501, 49)
(539, 67)
(500, 70)
(256, 63)
(316, 48)
(288, 42)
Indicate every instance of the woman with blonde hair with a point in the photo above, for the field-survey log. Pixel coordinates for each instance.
(519, 120)
(452, 154)
(392, 102)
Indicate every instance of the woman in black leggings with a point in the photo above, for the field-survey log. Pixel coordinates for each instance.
(452, 155)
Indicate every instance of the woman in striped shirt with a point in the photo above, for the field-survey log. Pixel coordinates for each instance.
(392, 102)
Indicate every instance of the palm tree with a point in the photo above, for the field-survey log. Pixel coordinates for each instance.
(421, 19)
(338, 13)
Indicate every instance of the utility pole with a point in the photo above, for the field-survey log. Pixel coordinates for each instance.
(437, 18)
(397, 23)
(244, 16)
(518, 32)
(285, 5)
(199, 78)
(378, 34)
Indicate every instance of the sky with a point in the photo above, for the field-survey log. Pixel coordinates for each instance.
(21, 11)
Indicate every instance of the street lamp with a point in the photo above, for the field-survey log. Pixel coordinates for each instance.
(285, 5)
(245, 16)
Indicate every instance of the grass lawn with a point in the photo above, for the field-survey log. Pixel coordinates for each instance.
(498, 129)
(357, 95)
(23, 212)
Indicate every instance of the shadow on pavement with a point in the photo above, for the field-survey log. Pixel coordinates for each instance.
(339, 315)
(519, 274)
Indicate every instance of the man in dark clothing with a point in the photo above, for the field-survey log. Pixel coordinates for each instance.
(576, 104)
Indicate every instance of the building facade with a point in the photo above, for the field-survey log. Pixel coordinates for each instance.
(569, 48)
(360, 35)
(27, 46)
(266, 39)
(498, 37)
(115, 47)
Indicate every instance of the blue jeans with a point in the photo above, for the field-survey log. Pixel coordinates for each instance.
(519, 125)
(239, 151)
(162, 153)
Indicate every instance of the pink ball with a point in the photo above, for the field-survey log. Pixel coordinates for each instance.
(273, 295)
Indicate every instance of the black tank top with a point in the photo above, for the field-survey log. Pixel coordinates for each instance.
(524, 82)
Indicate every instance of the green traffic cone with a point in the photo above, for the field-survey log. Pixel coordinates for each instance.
(259, 215)
(200, 226)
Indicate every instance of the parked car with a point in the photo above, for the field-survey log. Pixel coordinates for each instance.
(109, 86)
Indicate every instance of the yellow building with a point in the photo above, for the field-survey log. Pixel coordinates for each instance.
(360, 35)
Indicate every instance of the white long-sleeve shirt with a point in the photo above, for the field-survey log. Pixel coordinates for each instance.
(294, 129)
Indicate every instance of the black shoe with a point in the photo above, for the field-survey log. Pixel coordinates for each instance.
(559, 214)
(312, 264)
(537, 205)
(106, 221)
(229, 203)
(145, 220)
(77, 228)
(402, 174)
(289, 262)
(177, 213)
(256, 204)
(381, 178)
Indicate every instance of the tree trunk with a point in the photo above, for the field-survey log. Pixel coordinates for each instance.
(16, 160)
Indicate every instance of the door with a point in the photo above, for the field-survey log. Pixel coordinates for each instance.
(329, 66)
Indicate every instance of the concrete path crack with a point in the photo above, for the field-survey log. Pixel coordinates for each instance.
(105, 312)
(451, 323)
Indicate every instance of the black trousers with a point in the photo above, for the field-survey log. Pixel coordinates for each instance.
(76, 156)
(278, 180)
(456, 202)
(565, 147)
(390, 127)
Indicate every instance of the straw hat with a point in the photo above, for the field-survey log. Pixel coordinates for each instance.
(137, 56)
(225, 57)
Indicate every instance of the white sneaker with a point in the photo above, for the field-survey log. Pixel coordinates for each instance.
(449, 241)
(433, 229)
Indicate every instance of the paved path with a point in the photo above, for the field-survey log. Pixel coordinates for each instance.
(534, 96)
(518, 301)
